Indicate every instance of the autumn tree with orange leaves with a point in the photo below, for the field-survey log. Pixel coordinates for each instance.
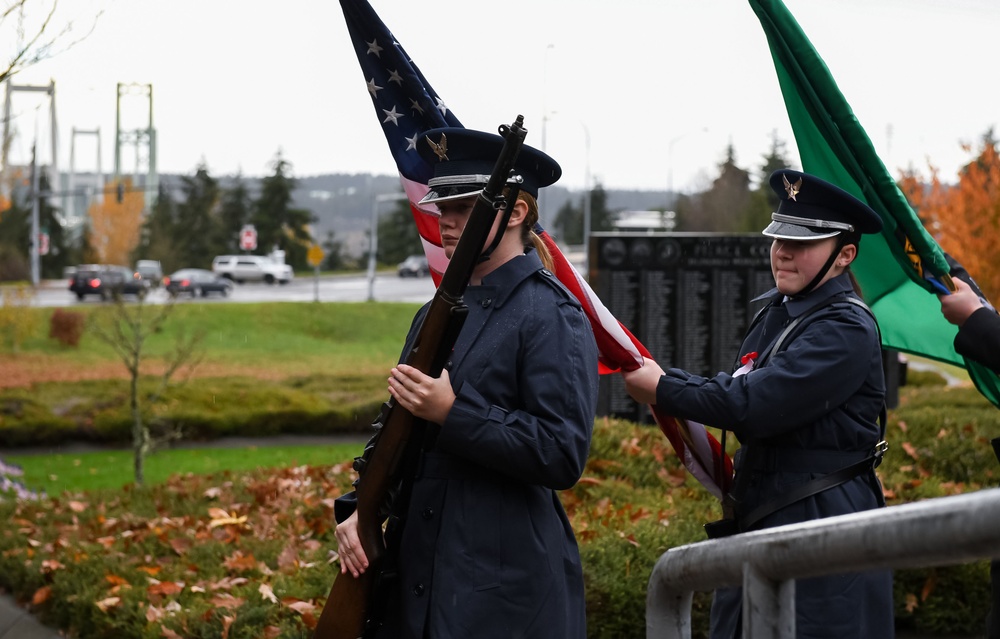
(964, 218)
(114, 225)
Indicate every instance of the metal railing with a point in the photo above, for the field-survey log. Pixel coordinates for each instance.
(935, 532)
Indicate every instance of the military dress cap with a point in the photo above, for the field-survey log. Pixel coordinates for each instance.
(463, 160)
(814, 209)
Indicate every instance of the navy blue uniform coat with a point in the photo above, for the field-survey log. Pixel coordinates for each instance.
(979, 339)
(487, 549)
(823, 392)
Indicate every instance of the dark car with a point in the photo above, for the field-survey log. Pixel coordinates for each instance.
(414, 266)
(197, 281)
(107, 281)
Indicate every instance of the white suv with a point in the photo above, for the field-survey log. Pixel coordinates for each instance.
(252, 268)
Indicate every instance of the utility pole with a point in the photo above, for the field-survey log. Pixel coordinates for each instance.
(33, 243)
(373, 240)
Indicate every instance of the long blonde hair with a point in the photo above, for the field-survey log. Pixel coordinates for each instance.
(528, 235)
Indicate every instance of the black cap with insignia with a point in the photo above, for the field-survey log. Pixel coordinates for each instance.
(463, 160)
(814, 209)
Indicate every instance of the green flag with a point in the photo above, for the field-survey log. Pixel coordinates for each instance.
(899, 271)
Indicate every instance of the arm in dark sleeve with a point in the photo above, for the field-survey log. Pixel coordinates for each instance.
(544, 441)
(821, 368)
(979, 338)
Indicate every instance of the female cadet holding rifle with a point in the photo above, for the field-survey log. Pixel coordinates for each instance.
(806, 411)
(487, 549)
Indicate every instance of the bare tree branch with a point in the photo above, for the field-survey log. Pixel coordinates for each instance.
(34, 43)
(126, 330)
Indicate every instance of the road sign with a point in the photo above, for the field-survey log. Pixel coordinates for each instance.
(248, 238)
(315, 255)
(43, 243)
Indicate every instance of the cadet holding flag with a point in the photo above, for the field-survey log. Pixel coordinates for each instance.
(978, 339)
(806, 401)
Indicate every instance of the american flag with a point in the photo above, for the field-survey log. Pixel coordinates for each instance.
(406, 106)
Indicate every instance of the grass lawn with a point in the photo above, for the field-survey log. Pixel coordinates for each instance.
(74, 472)
(267, 340)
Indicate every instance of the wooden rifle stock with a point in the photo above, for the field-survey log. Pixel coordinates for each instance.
(347, 612)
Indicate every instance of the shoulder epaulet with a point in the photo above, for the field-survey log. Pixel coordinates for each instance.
(550, 278)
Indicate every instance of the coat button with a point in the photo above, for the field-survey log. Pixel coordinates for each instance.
(418, 590)
(427, 513)
(486, 302)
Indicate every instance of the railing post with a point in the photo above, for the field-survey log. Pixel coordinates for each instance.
(768, 606)
(934, 532)
(668, 613)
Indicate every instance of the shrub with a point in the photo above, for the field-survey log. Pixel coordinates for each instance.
(66, 327)
(634, 502)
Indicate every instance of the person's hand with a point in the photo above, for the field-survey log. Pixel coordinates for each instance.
(962, 303)
(352, 555)
(426, 397)
(641, 383)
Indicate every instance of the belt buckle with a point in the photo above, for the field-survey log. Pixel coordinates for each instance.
(879, 451)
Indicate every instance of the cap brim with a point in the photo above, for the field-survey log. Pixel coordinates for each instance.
(786, 231)
(444, 195)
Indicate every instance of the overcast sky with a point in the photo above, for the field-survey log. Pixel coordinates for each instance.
(660, 87)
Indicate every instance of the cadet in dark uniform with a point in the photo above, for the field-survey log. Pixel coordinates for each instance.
(978, 339)
(806, 411)
(487, 549)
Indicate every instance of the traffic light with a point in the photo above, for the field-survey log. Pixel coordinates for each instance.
(121, 192)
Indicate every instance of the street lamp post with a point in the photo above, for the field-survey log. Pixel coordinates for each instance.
(373, 240)
(586, 203)
(545, 120)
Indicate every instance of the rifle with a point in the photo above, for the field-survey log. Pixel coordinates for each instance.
(348, 610)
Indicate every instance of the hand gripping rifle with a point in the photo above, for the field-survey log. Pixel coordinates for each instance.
(348, 613)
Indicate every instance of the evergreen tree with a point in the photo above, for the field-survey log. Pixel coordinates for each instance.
(727, 201)
(159, 237)
(278, 225)
(50, 222)
(763, 199)
(569, 219)
(15, 237)
(234, 212)
(196, 229)
(397, 235)
(334, 259)
(15, 228)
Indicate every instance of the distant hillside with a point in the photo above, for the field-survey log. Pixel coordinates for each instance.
(342, 202)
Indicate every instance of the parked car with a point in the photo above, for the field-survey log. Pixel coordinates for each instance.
(414, 266)
(107, 281)
(149, 270)
(197, 281)
(252, 268)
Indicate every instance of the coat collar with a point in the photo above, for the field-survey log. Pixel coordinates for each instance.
(501, 282)
(798, 305)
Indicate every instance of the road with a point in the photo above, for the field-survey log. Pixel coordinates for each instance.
(387, 287)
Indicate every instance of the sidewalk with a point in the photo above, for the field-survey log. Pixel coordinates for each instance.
(18, 623)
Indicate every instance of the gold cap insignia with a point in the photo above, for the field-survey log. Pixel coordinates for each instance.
(792, 189)
(440, 148)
